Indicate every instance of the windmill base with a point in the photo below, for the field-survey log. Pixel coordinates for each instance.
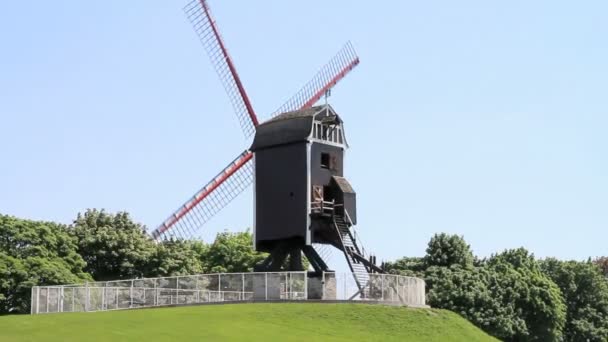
(292, 248)
(319, 287)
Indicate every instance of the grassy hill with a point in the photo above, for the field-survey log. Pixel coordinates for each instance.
(250, 322)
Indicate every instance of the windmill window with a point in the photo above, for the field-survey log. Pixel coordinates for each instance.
(325, 160)
(317, 134)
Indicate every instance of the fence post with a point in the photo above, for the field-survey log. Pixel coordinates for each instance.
(266, 285)
(155, 293)
(382, 287)
(219, 285)
(87, 298)
(243, 287)
(322, 286)
(32, 290)
(103, 298)
(73, 290)
(37, 299)
(306, 286)
(288, 285)
(131, 295)
(177, 290)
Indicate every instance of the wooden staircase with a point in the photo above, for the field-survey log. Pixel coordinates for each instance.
(358, 263)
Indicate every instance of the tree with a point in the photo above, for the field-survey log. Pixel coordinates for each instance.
(34, 253)
(506, 295)
(406, 266)
(536, 299)
(602, 263)
(176, 257)
(231, 252)
(113, 246)
(478, 294)
(447, 250)
(585, 291)
(12, 275)
(500, 299)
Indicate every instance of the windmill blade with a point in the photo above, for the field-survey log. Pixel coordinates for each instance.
(209, 200)
(200, 16)
(327, 77)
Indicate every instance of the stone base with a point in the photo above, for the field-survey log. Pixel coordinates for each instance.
(322, 288)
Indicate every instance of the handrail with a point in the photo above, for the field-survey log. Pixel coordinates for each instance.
(355, 235)
(323, 207)
(348, 217)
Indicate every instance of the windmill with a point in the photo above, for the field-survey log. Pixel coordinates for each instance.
(239, 174)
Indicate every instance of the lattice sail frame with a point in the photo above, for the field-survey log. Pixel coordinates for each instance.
(209, 200)
(327, 77)
(199, 14)
(238, 175)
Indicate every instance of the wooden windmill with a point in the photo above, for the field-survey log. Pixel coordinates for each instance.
(301, 196)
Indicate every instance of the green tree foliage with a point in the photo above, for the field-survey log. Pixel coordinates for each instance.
(407, 266)
(447, 250)
(113, 246)
(477, 294)
(34, 253)
(532, 294)
(507, 295)
(176, 257)
(585, 291)
(116, 247)
(231, 252)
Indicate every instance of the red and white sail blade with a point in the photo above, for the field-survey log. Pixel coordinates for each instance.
(327, 77)
(199, 14)
(208, 201)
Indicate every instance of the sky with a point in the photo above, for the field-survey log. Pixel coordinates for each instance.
(485, 119)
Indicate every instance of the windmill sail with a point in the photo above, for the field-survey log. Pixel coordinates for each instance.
(199, 14)
(209, 200)
(327, 77)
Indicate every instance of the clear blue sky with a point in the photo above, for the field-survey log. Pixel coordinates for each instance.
(481, 118)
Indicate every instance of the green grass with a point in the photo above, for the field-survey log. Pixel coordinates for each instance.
(246, 322)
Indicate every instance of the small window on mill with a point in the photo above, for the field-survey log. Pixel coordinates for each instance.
(325, 160)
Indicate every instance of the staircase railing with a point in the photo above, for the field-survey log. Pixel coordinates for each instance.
(323, 207)
(347, 254)
(354, 231)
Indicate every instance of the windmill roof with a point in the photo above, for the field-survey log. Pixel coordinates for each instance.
(308, 112)
(343, 184)
(287, 128)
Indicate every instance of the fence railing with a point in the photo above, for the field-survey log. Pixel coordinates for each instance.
(223, 287)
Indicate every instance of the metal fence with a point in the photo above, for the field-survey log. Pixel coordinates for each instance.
(224, 287)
